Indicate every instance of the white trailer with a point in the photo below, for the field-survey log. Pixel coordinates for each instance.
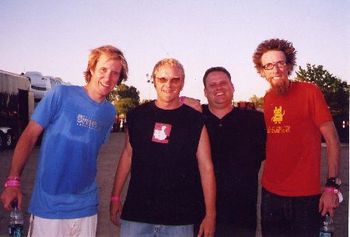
(40, 84)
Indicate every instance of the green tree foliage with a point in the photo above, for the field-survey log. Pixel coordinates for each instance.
(335, 91)
(124, 98)
(257, 101)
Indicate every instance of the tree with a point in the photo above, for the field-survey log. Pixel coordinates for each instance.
(257, 101)
(124, 98)
(335, 91)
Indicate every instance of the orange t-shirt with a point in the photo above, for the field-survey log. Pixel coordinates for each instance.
(293, 148)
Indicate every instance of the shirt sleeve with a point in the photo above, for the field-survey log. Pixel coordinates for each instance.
(320, 111)
(47, 108)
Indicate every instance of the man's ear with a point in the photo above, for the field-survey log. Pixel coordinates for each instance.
(262, 72)
(205, 92)
(92, 72)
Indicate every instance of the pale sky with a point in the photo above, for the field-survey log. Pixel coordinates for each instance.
(55, 37)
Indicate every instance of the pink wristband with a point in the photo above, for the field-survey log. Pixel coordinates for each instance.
(115, 199)
(335, 191)
(12, 183)
(331, 190)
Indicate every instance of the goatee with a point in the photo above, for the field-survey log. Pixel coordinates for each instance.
(281, 89)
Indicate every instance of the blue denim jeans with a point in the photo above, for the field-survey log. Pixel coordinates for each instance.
(289, 216)
(138, 229)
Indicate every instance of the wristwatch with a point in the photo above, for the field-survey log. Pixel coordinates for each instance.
(333, 185)
(333, 182)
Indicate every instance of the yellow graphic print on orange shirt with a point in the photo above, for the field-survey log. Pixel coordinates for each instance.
(277, 118)
(278, 114)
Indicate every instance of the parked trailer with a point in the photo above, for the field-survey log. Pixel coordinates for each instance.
(40, 84)
(16, 107)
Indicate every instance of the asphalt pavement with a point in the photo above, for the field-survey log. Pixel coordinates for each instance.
(107, 162)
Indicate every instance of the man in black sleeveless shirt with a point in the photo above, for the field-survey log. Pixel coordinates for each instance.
(237, 138)
(167, 154)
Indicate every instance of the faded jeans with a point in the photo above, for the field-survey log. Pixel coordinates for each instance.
(139, 229)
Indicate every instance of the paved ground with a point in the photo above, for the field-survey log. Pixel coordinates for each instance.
(106, 167)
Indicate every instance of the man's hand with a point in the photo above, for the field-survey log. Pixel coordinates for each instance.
(207, 227)
(194, 103)
(115, 209)
(9, 195)
(328, 202)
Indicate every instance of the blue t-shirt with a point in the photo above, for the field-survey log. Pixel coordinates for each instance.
(75, 128)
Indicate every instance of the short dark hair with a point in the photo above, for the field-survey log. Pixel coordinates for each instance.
(275, 44)
(215, 69)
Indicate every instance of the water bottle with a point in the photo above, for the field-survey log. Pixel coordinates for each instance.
(327, 226)
(16, 221)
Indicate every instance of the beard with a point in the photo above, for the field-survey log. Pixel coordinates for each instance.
(280, 87)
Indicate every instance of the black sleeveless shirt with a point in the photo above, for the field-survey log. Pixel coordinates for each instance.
(165, 184)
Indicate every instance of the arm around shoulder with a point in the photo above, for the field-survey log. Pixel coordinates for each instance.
(194, 103)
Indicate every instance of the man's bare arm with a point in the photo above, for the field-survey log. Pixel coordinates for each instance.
(121, 175)
(206, 169)
(329, 201)
(21, 153)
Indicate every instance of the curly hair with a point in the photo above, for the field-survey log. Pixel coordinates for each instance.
(113, 53)
(275, 44)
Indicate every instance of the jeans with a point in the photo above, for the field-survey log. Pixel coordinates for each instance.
(289, 216)
(138, 229)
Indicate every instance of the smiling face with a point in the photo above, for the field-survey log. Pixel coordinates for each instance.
(218, 90)
(168, 81)
(104, 78)
(275, 70)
